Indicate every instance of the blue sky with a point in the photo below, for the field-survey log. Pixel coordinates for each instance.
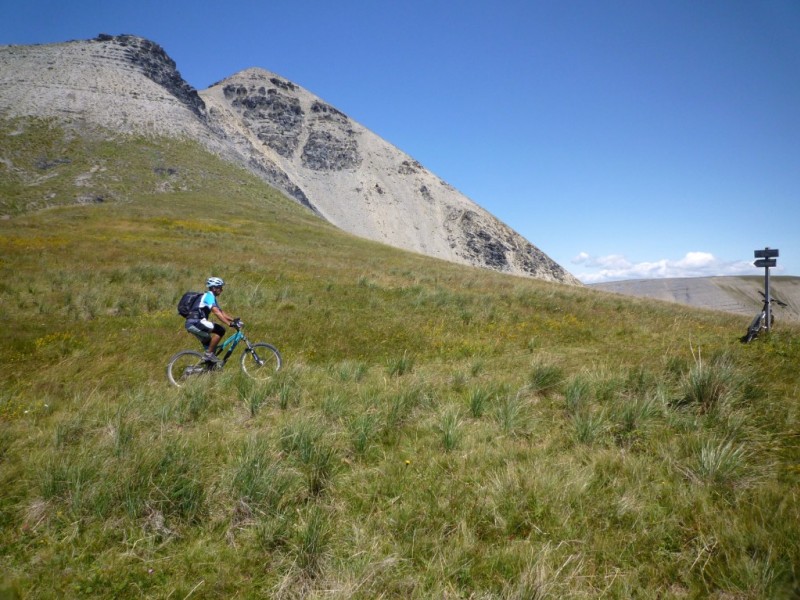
(626, 139)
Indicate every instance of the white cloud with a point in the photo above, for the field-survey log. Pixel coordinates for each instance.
(581, 258)
(612, 261)
(615, 267)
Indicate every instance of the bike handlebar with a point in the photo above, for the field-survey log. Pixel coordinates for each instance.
(772, 299)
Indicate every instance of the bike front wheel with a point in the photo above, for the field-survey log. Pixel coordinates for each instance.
(185, 366)
(261, 361)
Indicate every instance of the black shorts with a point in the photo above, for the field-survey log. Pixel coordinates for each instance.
(203, 328)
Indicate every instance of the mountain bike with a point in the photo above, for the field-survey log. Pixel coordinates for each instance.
(259, 361)
(759, 322)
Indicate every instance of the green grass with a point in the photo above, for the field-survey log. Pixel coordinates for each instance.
(437, 431)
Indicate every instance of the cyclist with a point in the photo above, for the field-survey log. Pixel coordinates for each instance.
(199, 325)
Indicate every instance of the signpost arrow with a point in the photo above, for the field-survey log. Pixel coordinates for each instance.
(766, 253)
(766, 262)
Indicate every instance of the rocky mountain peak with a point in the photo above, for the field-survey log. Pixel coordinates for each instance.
(292, 139)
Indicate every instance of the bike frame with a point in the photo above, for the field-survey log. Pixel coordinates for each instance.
(762, 320)
(188, 363)
(229, 345)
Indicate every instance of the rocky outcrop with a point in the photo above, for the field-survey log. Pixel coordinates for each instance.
(499, 247)
(273, 112)
(275, 118)
(124, 83)
(292, 139)
(151, 60)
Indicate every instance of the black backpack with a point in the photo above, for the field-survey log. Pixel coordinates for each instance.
(186, 306)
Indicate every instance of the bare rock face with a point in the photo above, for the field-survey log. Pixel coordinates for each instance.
(292, 139)
(124, 83)
(151, 60)
(361, 183)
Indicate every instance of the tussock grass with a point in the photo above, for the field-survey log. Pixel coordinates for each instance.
(479, 400)
(588, 426)
(400, 365)
(436, 432)
(450, 425)
(710, 385)
(513, 416)
(545, 377)
(720, 462)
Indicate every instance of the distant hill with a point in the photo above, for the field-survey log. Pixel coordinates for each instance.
(730, 294)
(295, 141)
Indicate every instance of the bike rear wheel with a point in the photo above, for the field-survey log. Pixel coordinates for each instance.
(755, 328)
(185, 366)
(261, 361)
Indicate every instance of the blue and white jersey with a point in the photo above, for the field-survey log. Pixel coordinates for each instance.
(207, 302)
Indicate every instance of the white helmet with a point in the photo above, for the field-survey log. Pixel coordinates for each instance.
(214, 282)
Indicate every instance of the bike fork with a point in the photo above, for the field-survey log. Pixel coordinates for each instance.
(259, 362)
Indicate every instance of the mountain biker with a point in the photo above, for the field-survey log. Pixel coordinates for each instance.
(199, 325)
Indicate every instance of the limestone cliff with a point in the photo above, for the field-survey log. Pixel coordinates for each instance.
(294, 140)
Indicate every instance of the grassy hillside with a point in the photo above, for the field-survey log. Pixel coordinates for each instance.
(437, 431)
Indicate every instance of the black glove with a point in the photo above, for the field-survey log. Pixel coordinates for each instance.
(237, 323)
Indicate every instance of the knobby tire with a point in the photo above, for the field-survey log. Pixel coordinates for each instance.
(755, 328)
(268, 357)
(184, 366)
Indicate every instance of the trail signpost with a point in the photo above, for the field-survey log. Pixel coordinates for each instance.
(766, 258)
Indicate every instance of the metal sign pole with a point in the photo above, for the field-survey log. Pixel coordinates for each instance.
(766, 295)
(767, 258)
